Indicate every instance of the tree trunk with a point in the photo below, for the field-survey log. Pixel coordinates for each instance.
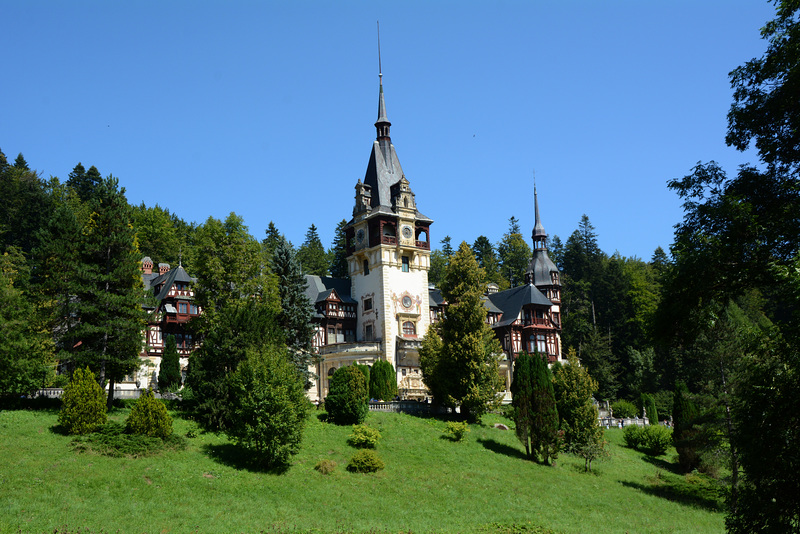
(111, 384)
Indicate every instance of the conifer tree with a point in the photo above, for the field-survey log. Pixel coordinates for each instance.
(347, 400)
(169, 375)
(109, 304)
(522, 400)
(271, 240)
(573, 388)
(338, 253)
(461, 366)
(296, 311)
(514, 254)
(311, 254)
(545, 439)
(382, 381)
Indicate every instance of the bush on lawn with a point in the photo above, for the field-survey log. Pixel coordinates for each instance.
(83, 406)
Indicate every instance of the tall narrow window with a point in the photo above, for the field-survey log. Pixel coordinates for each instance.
(405, 264)
(366, 267)
(368, 333)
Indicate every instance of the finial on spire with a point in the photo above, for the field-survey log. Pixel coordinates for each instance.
(380, 70)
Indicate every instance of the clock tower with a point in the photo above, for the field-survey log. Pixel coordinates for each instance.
(388, 250)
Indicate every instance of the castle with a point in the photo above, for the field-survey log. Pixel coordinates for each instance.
(386, 306)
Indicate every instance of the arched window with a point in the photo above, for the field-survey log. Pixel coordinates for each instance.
(331, 371)
(409, 328)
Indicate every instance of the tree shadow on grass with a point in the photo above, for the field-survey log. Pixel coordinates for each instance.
(233, 455)
(663, 464)
(680, 492)
(502, 448)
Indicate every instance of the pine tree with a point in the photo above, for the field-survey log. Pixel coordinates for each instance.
(461, 367)
(271, 240)
(487, 260)
(109, 304)
(295, 317)
(311, 254)
(85, 183)
(338, 253)
(20, 163)
(169, 375)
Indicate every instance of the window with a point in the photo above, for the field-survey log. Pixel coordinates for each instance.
(368, 332)
(193, 309)
(405, 264)
(367, 304)
(366, 267)
(183, 307)
(541, 344)
(409, 329)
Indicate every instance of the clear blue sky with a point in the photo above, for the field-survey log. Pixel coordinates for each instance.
(267, 108)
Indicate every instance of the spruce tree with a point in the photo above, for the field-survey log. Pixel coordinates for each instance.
(296, 310)
(169, 375)
(461, 366)
(338, 253)
(514, 254)
(311, 254)
(573, 388)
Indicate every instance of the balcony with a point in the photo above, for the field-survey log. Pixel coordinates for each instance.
(365, 347)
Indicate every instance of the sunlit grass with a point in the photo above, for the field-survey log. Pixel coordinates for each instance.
(429, 484)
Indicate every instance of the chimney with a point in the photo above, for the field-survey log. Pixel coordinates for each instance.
(163, 268)
(147, 265)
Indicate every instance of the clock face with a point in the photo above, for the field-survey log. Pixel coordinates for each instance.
(407, 232)
(360, 235)
(407, 302)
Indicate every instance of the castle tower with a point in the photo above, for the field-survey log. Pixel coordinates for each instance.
(389, 256)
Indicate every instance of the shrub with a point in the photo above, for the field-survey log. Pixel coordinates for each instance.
(111, 440)
(83, 406)
(346, 402)
(365, 461)
(269, 406)
(456, 431)
(326, 467)
(656, 440)
(149, 417)
(364, 437)
(624, 409)
(633, 436)
(653, 440)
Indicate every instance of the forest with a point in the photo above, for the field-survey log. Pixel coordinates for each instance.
(708, 332)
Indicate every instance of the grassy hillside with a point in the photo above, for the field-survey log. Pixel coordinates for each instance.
(430, 484)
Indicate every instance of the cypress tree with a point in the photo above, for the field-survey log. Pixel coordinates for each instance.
(169, 375)
(684, 432)
(382, 381)
(544, 429)
(346, 402)
(522, 400)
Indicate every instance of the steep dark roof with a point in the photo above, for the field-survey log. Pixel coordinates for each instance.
(435, 297)
(319, 288)
(512, 300)
(541, 266)
(178, 274)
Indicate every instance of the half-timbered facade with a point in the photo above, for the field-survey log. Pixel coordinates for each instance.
(172, 308)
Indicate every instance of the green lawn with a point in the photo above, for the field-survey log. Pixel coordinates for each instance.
(430, 484)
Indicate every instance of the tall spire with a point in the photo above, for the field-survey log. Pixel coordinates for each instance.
(539, 235)
(382, 124)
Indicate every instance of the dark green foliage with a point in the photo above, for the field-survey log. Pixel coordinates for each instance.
(25, 207)
(337, 255)
(382, 381)
(364, 437)
(112, 440)
(346, 402)
(573, 389)
(487, 260)
(633, 436)
(149, 417)
(84, 183)
(83, 407)
(438, 268)
(242, 325)
(459, 354)
(162, 235)
(26, 348)
(624, 409)
(514, 254)
(456, 430)
(649, 407)
(169, 376)
(365, 461)
(296, 311)
(268, 407)
(311, 254)
(108, 303)
(685, 435)
(545, 435)
(765, 107)
(522, 400)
